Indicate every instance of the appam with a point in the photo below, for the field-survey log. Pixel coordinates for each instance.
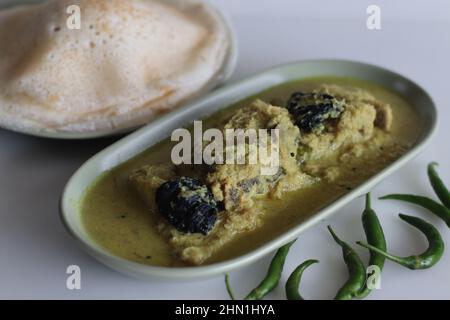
(130, 61)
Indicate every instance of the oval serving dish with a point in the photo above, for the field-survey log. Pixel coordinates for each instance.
(162, 128)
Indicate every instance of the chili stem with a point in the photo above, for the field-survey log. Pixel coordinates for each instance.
(424, 202)
(438, 185)
(227, 284)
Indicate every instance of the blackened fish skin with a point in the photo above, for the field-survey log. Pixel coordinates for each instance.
(311, 110)
(188, 205)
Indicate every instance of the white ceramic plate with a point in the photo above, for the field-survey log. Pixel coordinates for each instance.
(224, 74)
(162, 128)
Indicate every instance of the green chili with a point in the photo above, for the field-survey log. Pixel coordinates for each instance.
(424, 202)
(356, 271)
(375, 237)
(425, 260)
(227, 285)
(273, 274)
(293, 283)
(438, 185)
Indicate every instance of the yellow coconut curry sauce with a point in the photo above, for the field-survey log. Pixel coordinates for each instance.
(117, 218)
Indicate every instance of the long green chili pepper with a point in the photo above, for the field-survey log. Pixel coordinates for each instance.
(356, 271)
(375, 237)
(438, 185)
(293, 283)
(425, 260)
(424, 202)
(273, 274)
(272, 278)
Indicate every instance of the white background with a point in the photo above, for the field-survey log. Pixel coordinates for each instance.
(35, 250)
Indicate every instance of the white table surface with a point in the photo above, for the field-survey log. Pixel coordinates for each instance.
(35, 250)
